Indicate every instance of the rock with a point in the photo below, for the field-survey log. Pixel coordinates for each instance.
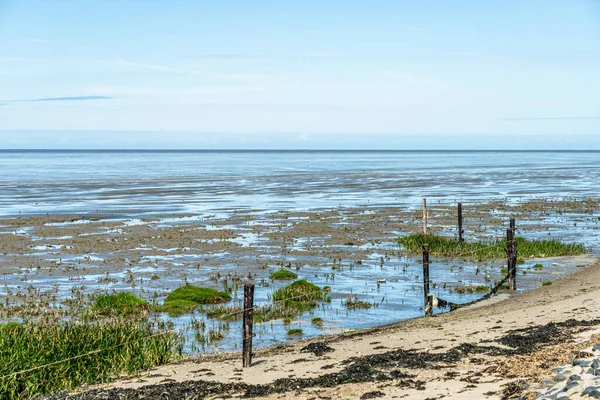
(595, 364)
(592, 392)
(578, 362)
(571, 385)
(596, 348)
(560, 377)
(574, 378)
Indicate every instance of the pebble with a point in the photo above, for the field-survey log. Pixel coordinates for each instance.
(579, 380)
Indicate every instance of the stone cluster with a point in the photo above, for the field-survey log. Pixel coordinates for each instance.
(580, 380)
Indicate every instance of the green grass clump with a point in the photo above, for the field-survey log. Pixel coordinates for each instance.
(125, 349)
(186, 299)
(538, 267)
(198, 295)
(353, 303)
(479, 251)
(548, 283)
(118, 304)
(318, 322)
(294, 332)
(283, 274)
(301, 295)
(176, 308)
(11, 326)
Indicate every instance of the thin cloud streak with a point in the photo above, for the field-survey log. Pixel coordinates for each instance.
(50, 99)
(550, 119)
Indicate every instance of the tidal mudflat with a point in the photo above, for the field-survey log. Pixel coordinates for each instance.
(54, 266)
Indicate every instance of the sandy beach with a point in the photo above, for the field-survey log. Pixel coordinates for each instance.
(502, 348)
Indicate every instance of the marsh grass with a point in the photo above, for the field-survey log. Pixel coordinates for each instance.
(301, 295)
(283, 274)
(353, 303)
(442, 246)
(126, 349)
(186, 299)
(118, 304)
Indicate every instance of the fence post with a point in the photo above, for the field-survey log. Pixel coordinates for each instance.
(460, 223)
(428, 305)
(511, 255)
(247, 329)
(424, 215)
(512, 224)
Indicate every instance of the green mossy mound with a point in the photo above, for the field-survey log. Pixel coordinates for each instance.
(301, 295)
(283, 274)
(187, 298)
(118, 304)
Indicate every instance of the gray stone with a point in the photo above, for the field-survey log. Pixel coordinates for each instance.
(570, 385)
(580, 362)
(574, 378)
(592, 392)
(560, 377)
(595, 364)
(596, 348)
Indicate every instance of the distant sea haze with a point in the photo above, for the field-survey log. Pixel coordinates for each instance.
(298, 141)
(223, 181)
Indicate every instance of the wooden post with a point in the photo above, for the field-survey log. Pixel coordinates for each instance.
(511, 250)
(424, 215)
(512, 224)
(247, 329)
(460, 223)
(428, 308)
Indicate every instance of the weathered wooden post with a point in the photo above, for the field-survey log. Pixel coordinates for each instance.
(512, 224)
(424, 215)
(247, 329)
(511, 255)
(428, 305)
(460, 223)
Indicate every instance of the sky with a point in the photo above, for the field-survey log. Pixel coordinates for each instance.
(300, 74)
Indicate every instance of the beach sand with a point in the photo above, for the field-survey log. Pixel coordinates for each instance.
(491, 350)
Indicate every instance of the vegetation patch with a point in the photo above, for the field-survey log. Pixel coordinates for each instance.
(353, 303)
(318, 322)
(198, 295)
(124, 349)
(118, 304)
(283, 274)
(486, 250)
(186, 299)
(300, 295)
(294, 332)
(462, 289)
(538, 267)
(176, 307)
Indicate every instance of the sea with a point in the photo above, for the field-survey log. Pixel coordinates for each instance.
(39, 182)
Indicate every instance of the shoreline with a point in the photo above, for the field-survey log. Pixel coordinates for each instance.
(463, 351)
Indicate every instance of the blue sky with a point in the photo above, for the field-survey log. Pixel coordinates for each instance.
(177, 73)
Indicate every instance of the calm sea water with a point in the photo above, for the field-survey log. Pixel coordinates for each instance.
(209, 181)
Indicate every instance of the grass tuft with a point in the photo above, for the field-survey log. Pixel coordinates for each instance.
(479, 251)
(283, 274)
(186, 299)
(34, 345)
(118, 304)
(300, 294)
(294, 332)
